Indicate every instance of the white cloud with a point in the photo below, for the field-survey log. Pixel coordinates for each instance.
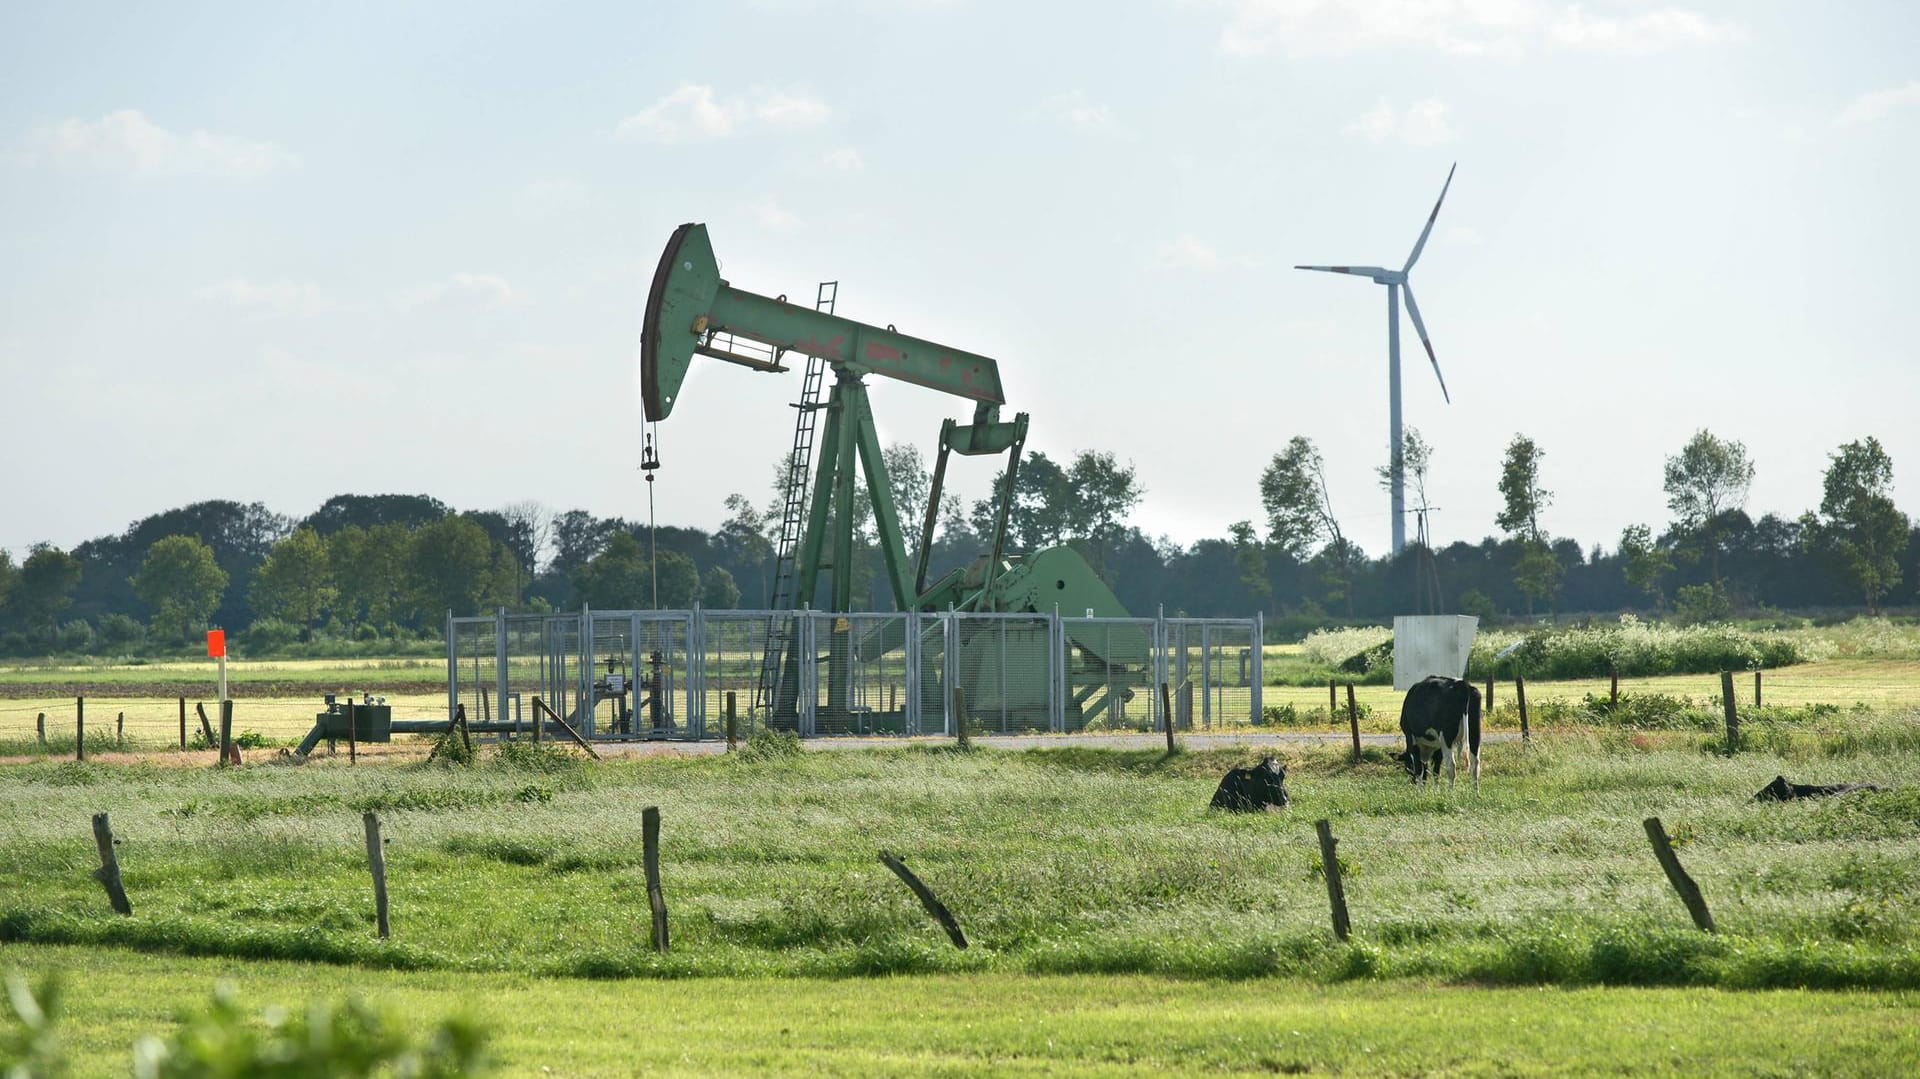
(272, 299)
(1187, 252)
(1075, 111)
(488, 290)
(1423, 124)
(845, 159)
(1456, 27)
(775, 217)
(1462, 235)
(1877, 104)
(693, 113)
(126, 141)
(1648, 31)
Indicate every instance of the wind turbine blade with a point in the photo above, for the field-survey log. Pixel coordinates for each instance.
(1421, 328)
(1357, 271)
(1425, 232)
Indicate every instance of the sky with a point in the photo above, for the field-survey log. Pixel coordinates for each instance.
(277, 252)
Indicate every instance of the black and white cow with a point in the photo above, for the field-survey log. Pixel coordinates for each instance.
(1439, 715)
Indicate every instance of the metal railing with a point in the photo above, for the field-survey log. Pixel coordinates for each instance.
(669, 674)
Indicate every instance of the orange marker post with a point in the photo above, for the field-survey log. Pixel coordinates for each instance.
(217, 649)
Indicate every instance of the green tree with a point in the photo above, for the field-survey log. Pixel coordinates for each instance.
(679, 582)
(453, 565)
(44, 587)
(1706, 479)
(295, 583)
(1250, 558)
(1523, 499)
(743, 537)
(1293, 491)
(182, 583)
(619, 578)
(909, 482)
(1643, 562)
(369, 568)
(9, 574)
(717, 590)
(1858, 523)
(1101, 492)
(1536, 573)
(1042, 511)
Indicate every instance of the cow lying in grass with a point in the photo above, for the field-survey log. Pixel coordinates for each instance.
(1439, 717)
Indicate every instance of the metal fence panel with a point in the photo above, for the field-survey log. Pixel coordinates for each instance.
(1213, 668)
(1005, 665)
(1111, 672)
(860, 683)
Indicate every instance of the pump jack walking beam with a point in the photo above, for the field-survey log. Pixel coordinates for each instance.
(690, 306)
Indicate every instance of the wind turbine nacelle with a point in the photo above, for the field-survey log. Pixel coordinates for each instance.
(684, 286)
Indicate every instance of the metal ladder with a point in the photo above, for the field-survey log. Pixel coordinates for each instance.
(799, 463)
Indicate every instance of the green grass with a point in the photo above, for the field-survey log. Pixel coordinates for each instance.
(1072, 860)
(1002, 1024)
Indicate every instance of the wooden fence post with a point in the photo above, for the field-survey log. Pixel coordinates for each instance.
(1353, 721)
(183, 723)
(119, 729)
(206, 725)
(1330, 864)
(656, 899)
(733, 731)
(229, 753)
(353, 734)
(1489, 700)
(927, 899)
(1756, 690)
(1689, 891)
(109, 872)
(80, 728)
(1520, 696)
(1613, 689)
(1731, 709)
(377, 863)
(1333, 702)
(540, 706)
(40, 727)
(960, 716)
(1166, 712)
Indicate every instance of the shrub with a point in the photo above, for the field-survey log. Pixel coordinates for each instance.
(118, 631)
(321, 1039)
(1634, 649)
(269, 635)
(770, 745)
(76, 637)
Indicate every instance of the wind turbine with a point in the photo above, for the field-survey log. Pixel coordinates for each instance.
(1396, 281)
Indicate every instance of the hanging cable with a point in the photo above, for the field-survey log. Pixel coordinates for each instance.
(649, 462)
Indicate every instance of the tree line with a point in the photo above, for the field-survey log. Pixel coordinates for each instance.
(378, 568)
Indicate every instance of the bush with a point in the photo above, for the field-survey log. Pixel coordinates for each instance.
(117, 631)
(269, 635)
(1635, 649)
(76, 637)
(770, 745)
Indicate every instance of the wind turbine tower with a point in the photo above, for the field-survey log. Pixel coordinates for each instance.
(1396, 282)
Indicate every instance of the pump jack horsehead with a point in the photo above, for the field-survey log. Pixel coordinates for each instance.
(1439, 715)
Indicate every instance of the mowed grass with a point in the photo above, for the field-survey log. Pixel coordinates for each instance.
(1071, 860)
(1001, 1024)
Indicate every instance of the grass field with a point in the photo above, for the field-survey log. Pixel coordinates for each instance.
(1019, 1025)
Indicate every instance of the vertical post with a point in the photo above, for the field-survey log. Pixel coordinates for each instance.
(119, 729)
(229, 753)
(183, 723)
(1756, 690)
(1489, 700)
(1186, 704)
(1520, 696)
(733, 734)
(1330, 865)
(377, 864)
(1166, 713)
(656, 900)
(539, 720)
(109, 872)
(353, 733)
(1731, 708)
(486, 706)
(1333, 701)
(80, 728)
(1613, 688)
(40, 727)
(1677, 876)
(960, 716)
(1353, 721)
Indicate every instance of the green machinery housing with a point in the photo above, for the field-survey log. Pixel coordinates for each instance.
(691, 311)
